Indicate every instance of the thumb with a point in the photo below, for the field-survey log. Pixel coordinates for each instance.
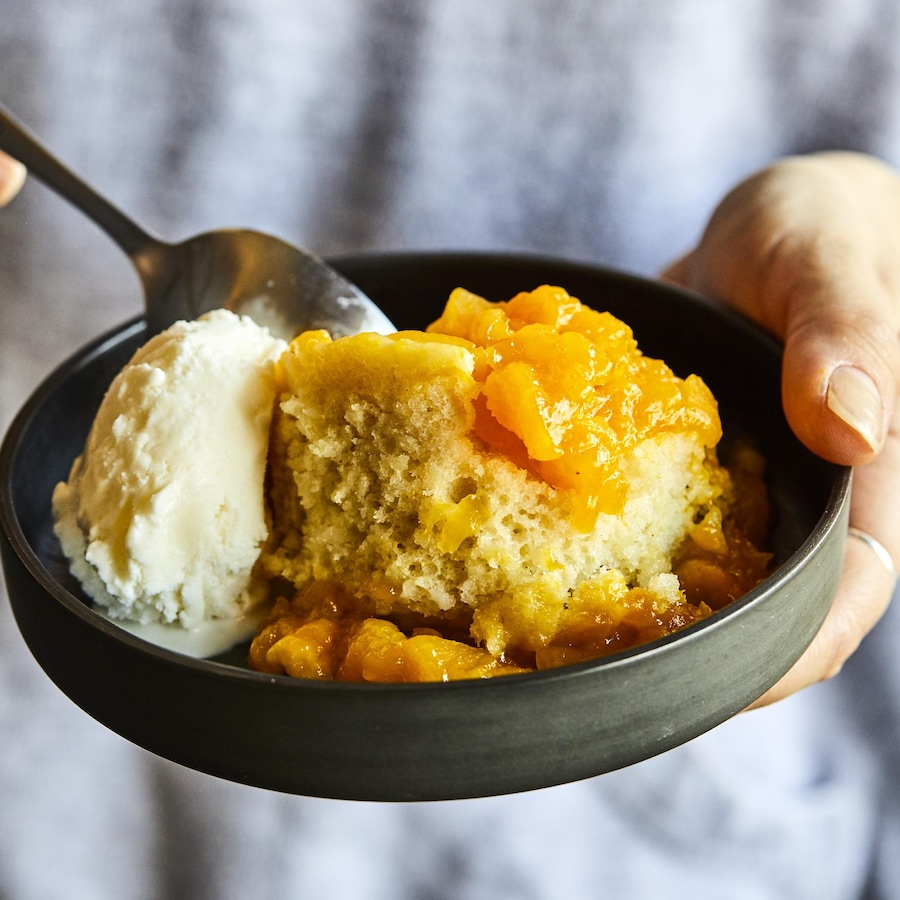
(805, 249)
(840, 362)
(12, 177)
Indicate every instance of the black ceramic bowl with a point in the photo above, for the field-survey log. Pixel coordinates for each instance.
(435, 741)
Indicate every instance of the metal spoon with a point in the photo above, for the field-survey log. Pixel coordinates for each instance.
(281, 286)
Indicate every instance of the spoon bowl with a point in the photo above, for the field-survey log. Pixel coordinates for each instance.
(278, 285)
(281, 286)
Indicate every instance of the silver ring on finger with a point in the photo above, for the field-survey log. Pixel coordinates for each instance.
(882, 552)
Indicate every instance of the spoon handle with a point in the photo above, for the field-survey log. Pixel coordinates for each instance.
(19, 143)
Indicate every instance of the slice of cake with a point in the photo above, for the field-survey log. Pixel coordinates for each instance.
(519, 475)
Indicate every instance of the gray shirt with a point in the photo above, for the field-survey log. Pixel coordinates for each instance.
(598, 131)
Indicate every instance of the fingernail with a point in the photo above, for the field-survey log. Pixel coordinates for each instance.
(853, 397)
(12, 177)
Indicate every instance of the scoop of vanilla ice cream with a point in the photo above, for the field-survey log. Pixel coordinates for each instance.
(162, 518)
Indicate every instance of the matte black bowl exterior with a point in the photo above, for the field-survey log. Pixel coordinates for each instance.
(437, 741)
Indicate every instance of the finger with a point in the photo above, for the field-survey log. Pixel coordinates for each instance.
(861, 600)
(12, 177)
(866, 583)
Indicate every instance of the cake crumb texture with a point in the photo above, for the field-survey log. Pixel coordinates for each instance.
(520, 470)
